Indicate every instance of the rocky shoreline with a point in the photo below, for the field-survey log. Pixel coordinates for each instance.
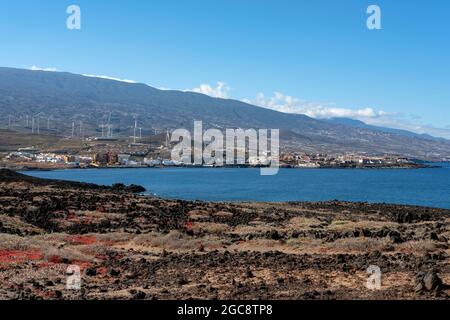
(129, 246)
(51, 167)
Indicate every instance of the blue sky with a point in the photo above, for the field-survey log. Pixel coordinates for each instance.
(313, 57)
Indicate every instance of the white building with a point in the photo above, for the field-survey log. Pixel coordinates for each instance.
(152, 162)
(123, 159)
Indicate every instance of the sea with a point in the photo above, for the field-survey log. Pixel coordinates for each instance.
(425, 187)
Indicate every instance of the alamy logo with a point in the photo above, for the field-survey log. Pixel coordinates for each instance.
(374, 280)
(238, 147)
(73, 278)
(374, 20)
(74, 20)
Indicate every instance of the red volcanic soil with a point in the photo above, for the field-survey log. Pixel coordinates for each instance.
(13, 256)
(81, 240)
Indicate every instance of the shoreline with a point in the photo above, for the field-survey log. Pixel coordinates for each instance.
(26, 168)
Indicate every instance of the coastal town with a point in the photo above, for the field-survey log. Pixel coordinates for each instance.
(139, 155)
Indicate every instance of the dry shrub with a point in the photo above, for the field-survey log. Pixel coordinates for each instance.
(210, 228)
(94, 250)
(361, 244)
(259, 245)
(255, 227)
(304, 244)
(198, 215)
(13, 242)
(223, 214)
(72, 254)
(116, 237)
(256, 222)
(303, 223)
(52, 246)
(352, 225)
(176, 240)
(16, 223)
(417, 247)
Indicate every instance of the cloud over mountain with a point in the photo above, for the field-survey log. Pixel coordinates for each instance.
(221, 90)
(36, 68)
(288, 104)
(109, 78)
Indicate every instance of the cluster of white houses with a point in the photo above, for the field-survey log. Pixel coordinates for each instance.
(114, 159)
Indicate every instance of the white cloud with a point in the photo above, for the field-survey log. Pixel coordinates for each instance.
(109, 78)
(221, 90)
(333, 112)
(288, 104)
(35, 68)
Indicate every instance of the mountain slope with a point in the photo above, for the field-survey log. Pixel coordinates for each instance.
(68, 98)
(360, 124)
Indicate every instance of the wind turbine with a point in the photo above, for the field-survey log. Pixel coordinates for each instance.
(103, 130)
(48, 122)
(110, 134)
(81, 129)
(34, 123)
(134, 133)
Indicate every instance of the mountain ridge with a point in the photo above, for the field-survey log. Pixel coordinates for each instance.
(361, 124)
(66, 98)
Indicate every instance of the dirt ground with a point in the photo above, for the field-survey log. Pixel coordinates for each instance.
(129, 246)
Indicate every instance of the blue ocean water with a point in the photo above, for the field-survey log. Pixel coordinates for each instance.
(426, 187)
